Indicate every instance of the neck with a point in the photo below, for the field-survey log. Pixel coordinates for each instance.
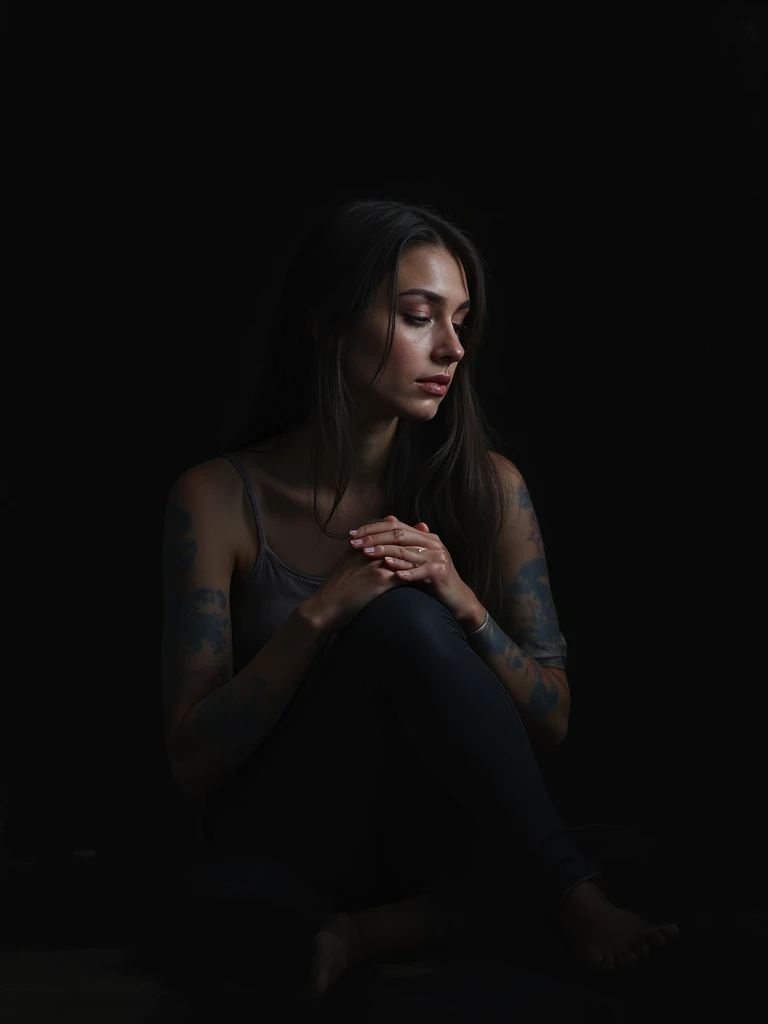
(371, 449)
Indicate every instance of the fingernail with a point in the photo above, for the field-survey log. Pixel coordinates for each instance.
(353, 532)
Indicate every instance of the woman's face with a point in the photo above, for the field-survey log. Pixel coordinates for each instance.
(427, 337)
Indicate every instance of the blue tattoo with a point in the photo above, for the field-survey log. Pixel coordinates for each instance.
(530, 604)
(179, 550)
(543, 700)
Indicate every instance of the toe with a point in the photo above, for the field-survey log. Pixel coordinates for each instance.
(625, 955)
(320, 970)
(320, 982)
(640, 943)
(671, 931)
(655, 939)
(596, 960)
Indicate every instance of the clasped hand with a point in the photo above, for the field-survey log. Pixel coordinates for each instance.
(392, 539)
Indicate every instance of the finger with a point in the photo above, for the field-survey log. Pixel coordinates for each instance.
(396, 533)
(410, 554)
(412, 557)
(390, 562)
(383, 542)
(389, 526)
(420, 573)
(382, 524)
(365, 534)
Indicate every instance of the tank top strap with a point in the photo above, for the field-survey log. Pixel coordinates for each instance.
(251, 497)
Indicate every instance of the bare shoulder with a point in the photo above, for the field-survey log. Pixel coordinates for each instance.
(509, 473)
(517, 500)
(209, 497)
(213, 484)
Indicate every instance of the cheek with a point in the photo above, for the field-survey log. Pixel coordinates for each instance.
(404, 360)
(368, 350)
(361, 364)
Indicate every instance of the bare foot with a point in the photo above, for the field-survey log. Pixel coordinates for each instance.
(337, 947)
(604, 935)
(344, 940)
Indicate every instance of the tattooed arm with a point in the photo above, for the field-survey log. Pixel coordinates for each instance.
(525, 649)
(214, 720)
(539, 692)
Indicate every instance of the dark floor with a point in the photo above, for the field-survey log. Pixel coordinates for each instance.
(66, 957)
(99, 986)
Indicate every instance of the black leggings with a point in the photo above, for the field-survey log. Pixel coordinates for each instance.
(400, 766)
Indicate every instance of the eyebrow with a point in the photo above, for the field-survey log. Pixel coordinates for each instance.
(440, 300)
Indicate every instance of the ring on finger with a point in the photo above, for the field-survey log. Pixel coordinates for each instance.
(389, 558)
(371, 551)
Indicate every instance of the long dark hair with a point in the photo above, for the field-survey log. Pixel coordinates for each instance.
(439, 472)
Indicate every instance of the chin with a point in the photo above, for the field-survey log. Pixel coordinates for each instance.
(420, 408)
(427, 412)
(416, 410)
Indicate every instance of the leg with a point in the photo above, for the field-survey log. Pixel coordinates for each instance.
(317, 775)
(308, 798)
(244, 923)
(434, 847)
(462, 724)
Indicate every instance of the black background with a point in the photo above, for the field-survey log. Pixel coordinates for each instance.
(608, 166)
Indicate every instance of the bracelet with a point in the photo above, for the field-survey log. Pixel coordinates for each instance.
(481, 628)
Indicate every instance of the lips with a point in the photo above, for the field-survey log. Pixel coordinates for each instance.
(437, 378)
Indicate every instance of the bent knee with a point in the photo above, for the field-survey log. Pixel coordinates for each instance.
(406, 608)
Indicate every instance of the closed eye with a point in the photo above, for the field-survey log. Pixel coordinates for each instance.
(422, 321)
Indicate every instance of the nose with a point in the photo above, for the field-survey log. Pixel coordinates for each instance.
(449, 342)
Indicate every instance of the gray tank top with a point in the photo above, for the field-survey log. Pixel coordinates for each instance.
(269, 594)
(273, 590)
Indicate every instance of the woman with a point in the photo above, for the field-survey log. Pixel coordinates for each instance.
(304, 667)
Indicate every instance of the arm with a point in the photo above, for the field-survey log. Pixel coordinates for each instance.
(539, 692)
(214, 720)
(525, 650)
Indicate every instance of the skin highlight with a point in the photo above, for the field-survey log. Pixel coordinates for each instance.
(426, 341)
